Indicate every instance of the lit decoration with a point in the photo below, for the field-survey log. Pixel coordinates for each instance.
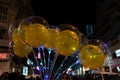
(4, 56)
(15, 36)
(33, 31)
(53, 33)
(21, 50)
(68, 40)
(39, 56)
(91, 56)
(51, 42)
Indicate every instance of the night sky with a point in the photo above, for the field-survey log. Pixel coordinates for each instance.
(77, 13)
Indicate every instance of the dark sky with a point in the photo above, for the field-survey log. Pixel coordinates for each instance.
(75, 12)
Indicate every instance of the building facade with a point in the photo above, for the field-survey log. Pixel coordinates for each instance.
(107, 25)
(10, 11)
(107, 19)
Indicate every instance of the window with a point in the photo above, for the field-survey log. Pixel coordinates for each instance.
(3, 14)
(89, 29)
(2, 33)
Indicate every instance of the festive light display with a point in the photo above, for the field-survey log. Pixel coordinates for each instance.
(64, 39)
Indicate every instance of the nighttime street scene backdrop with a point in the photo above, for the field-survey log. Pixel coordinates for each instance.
(59, 40)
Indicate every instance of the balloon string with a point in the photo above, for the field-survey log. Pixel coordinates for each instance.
(65, 70)
(10, 32)
(10, 46)
(41, 60)
(48, 65)
(60, 74)
(52, 65)
(60, 67)
(44, 60)
(36, 62)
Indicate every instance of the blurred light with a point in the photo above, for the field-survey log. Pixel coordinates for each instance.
(29, 62)
(25, 70)
(41, 63)
(118, 68)
(42, 47)
(98, 40)
(39, 56)
(74, 48)
(78, 61)
(46, 77)
(38, 48)
(49, 51)
(85, 69)
(76, 56)
(13, 69)
(61, 65)
(69, 70)
(37, 67)
(117, 52)
(105, 45)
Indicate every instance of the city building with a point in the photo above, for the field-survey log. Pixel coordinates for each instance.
(107, 26)
(107, 19)
(10, 11)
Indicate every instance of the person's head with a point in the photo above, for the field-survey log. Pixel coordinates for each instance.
(4, 76)
(37, 78)
(14, 76)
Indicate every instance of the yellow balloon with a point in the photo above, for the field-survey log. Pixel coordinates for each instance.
(15, 37)
(91, 56)
(21, 50)
(52, 38)
(67, 42)
(34, 35)
(21, 32)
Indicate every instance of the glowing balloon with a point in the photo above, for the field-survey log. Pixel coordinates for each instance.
(102, 45)
(21, 50)
(12, 27)
(91, 56)
(36, 35)
(33, 31)
(15, 37)
(72, 28)
(67, 42)
(53, 33)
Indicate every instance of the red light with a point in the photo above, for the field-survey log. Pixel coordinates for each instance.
(3, 55)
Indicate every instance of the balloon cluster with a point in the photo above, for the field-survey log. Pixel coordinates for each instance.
(34, 32)
(66, 39)
(20, 49)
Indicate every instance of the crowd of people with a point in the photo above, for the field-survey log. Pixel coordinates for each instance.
(91, 77)
(18, 76)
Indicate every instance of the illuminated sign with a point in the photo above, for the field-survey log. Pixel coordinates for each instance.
(117, 52)
(4, 56)
(89, 31)
(25, 70)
